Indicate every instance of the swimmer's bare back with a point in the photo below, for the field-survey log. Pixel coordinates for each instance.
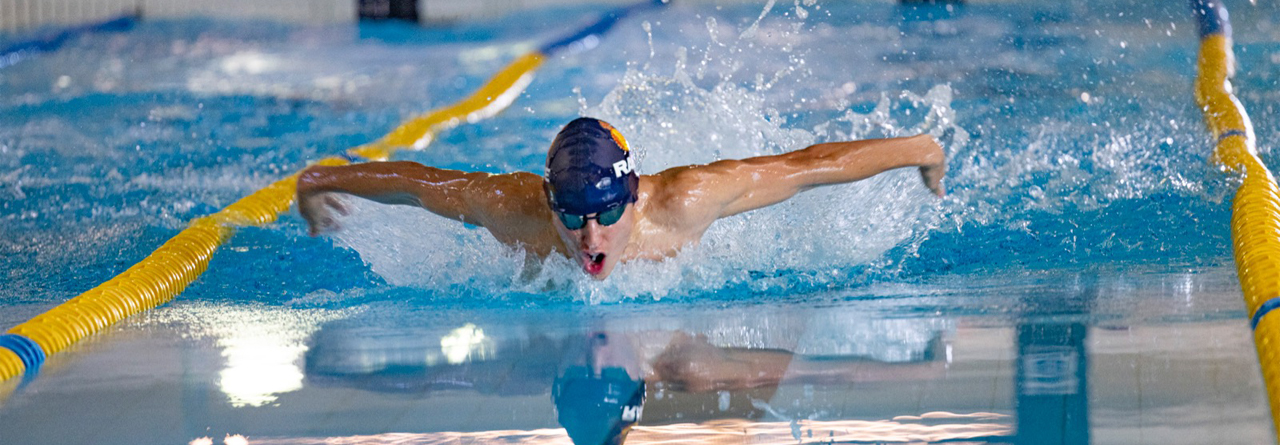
(673, 208)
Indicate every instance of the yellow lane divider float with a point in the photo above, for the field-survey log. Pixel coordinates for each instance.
(1255, 213)
(166, 272)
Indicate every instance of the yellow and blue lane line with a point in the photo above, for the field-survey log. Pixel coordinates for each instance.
(1255, 213)
(22, 50)
(169, 269)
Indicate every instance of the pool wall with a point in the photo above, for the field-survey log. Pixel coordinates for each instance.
(24, 14)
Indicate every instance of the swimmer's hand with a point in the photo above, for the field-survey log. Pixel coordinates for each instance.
(932, 176)
(933, 166)
(319, 207)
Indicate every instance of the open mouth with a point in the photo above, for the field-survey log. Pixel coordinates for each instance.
(593, 263)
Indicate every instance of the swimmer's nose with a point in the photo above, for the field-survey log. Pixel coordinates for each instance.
(592, 234)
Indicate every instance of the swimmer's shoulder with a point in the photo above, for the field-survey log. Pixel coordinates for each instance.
(516, 212)
(689, 183)
(675, 197)
(507, 188)
(516, 194)
(517, 180)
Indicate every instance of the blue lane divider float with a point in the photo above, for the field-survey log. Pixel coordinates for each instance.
(1211, 17)
(30, 352)
(23, 50)
(589, 37)
(1265, 308)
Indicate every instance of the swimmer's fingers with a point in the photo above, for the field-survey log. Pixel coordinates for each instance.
(933, 163)
(932, 176)
(318, 222)
(337, 204)
(326, 224)
(323, 223)
(319, 213)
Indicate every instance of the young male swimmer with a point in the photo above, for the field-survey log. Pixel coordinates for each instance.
(594, 207)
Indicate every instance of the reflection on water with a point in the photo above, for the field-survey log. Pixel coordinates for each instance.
(262, 348)
(1053, 404)
(782, 373)
(723, 431)
(1073, 360)
(606, 379)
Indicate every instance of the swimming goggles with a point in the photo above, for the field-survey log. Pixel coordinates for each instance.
(606, 218)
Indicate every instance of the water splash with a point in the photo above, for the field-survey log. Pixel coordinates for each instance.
(672, 121)
(1031, 191)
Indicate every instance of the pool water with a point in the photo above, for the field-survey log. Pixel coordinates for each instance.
(1075, 286)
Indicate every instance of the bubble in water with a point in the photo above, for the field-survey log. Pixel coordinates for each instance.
(801, 13)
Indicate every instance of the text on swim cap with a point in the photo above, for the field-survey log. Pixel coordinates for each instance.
(624, 167)
(632, 413)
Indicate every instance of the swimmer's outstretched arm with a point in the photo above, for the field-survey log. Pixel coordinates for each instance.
(453, 194)
(729, 187)
(693, 364)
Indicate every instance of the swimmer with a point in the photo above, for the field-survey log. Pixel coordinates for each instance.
(594, 207)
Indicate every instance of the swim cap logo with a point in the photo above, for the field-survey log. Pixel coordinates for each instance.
(617, 136)
(632, 413)
(623, 167)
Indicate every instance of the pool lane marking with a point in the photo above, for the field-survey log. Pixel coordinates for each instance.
(502, 89)
(1256, 206)
(588, 37)
(23, 50)
(179, 261)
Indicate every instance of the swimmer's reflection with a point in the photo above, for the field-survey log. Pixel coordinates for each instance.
(599, 397)
(603, 383)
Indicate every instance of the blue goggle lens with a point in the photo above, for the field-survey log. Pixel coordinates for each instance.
(605, 218)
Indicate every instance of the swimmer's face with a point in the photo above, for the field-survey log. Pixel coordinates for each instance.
(597, 248)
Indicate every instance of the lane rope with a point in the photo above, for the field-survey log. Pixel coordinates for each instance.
(17, 52)
(1255, 213)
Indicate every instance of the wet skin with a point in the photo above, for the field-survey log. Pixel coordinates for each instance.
(672, 210)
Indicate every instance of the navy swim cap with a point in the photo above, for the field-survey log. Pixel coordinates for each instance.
(590, 168)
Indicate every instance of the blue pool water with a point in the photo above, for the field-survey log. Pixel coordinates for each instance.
(1075, 286)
